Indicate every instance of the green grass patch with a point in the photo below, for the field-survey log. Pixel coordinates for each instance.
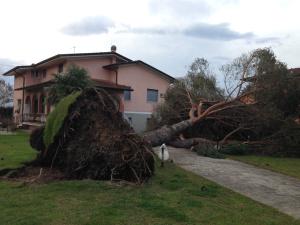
(57, 117)
(14, 150)
(172, 196)
(288, 166)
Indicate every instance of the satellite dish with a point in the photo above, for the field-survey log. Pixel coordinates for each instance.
(113, 48)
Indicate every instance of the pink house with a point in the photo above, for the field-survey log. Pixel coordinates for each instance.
(140, 86)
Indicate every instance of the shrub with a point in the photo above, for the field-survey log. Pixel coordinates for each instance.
(285, 142)
(235, 149)
(6, 112)
(208, 150)
(36, 139)
(7, 124)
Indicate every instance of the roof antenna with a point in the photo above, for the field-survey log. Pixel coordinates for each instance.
(74, 48)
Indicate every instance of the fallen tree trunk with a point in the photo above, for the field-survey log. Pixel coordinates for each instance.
(166, 133)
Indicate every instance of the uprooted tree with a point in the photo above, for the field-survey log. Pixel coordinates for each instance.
(87, 137)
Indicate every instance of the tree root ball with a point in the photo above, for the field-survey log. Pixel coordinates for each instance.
(95, 142)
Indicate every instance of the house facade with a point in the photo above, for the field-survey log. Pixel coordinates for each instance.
(139, 86)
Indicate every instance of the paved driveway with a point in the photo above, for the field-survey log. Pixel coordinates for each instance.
(270, 188)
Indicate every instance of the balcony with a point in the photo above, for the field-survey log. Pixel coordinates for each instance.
(34, 117)
(31, 119)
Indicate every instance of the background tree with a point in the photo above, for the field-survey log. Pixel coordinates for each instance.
(199, 83)
(6, 93)
(75, 79)
(276, 92)
(268, 79)
(277, 89)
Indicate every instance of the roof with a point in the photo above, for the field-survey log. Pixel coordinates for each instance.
(63, 56)
(110, 85)
(97, 83)
(295, 71)
(36, 86)
(117, 65)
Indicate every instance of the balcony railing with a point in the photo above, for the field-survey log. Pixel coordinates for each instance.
(34, 117)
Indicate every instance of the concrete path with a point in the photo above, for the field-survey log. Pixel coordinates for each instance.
(270, 188)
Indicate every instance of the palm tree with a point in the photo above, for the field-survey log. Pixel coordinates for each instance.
(75, 79)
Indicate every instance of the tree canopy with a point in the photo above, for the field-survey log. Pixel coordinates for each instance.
(273, 87)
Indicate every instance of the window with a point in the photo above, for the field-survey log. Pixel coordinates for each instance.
(44, 73)
(60, 68)
(127, 95)
(35, 103)
(36, 73)
(19, 105)
(152, 95)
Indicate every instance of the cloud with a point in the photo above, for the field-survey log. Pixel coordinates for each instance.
(220, 32)
(180, 9)
(5, 65)
(268, 40)
(221, 59)
(148, 30)
(89, 26)
(216, 32)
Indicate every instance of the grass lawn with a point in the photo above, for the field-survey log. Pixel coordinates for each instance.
(172, 196)
(15, 149)
(288, 166)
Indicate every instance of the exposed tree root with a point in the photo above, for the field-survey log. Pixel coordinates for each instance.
(95, 142)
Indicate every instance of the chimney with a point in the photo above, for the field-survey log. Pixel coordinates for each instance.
(113, 48)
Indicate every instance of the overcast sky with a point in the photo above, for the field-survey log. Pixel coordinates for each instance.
(167, 34)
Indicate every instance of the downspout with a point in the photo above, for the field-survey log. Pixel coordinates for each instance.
(23, 98)
(116, 71)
